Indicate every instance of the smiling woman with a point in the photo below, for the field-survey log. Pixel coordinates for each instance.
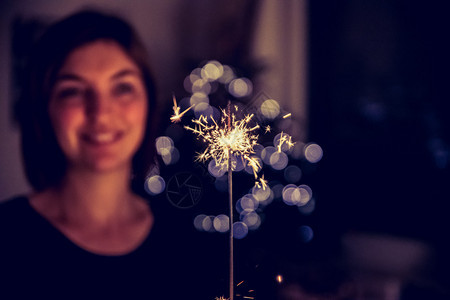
(57, 71)
(98, 108)
(88, 125)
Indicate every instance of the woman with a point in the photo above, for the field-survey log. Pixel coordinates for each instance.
(87, 121)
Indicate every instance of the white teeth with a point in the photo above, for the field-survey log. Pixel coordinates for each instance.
(102, 137)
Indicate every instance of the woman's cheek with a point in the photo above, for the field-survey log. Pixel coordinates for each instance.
(137, 113)
(66, 122)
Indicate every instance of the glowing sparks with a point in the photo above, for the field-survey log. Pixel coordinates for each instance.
(267, 129)
(287, 116)
(221, 298)
(176, 117)
(249, 291)
(230, 139)
(285, 138)
(245, 297)
(262, 183)
(279, 278)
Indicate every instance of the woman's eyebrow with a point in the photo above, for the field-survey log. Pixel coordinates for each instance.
(119, 74)
(68, 76)
(126, 72)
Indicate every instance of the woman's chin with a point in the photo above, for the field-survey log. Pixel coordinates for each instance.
(103, 165)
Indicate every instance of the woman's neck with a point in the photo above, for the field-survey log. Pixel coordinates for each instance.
(98, 212)
(92, 199)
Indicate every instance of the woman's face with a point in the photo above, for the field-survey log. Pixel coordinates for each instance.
(98, 107)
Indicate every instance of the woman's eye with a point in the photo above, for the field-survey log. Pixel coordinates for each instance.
(123, 89)
(68, 93)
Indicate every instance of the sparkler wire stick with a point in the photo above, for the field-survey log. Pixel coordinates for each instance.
(230, 199)
(230, 202)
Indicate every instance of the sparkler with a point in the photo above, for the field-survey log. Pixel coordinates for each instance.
(176, 117)
(231, 137)
(234, 137)
(225, 139)
(228, 139)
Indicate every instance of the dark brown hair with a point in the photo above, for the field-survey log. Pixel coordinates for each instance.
(44, 161)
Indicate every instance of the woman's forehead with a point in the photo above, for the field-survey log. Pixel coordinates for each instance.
(99, 58)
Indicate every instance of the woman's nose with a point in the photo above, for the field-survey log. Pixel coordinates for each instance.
(98, 105)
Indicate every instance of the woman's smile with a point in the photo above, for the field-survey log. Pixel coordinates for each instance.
(102, 138)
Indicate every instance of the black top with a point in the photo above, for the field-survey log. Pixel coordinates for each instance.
(38, 262)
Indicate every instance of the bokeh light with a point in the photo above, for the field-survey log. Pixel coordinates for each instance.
(227, 76)
(166, 149)
(164, 145)
(199, 97)
(240, 87)
(207, 224)
(251, 219)
(212, 70)
(247, 202)
(221, 223)
(203, 109)
(198, 222)
(306, 233)
(201, 86)
(278, 160)
(270, 109)
(266, 153)
(171, 158)
(155, 185)
(215, 169)
(313, 152)
(240, 230)
(190, 79)
(305, 194)
(291, 195)
(261, 194)
(296, 195)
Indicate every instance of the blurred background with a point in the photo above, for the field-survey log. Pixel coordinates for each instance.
(365, 83)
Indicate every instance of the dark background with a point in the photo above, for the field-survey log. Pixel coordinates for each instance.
(378, 96)
(378, 106)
